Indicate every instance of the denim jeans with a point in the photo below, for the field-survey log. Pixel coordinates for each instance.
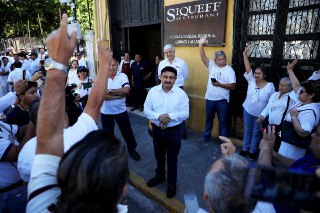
(14, 200)
(251, 136)
(124, 124)
(221, 108)
(167, 143)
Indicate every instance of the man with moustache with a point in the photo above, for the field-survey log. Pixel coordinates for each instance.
(167, 106)
(114, 108)
(182, 74)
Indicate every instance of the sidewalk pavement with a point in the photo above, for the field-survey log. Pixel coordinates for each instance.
(194, 161)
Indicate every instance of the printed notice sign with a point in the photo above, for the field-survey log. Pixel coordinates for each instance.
(185, 23)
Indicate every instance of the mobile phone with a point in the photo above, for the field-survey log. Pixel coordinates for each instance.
(23, 74)
(283, 187)
(73, 26)
(213, 80)
(87, 85)
(191, 202)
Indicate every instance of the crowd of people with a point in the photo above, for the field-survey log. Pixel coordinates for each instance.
(54, 158)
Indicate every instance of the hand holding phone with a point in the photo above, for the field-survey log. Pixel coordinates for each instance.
(213, 80)
(23, 74)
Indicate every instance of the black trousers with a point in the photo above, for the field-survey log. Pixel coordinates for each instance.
(122, 119)
(167, 144)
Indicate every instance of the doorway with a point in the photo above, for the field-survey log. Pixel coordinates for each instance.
(145, 40)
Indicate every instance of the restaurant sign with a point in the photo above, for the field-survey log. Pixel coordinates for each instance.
(185, 23)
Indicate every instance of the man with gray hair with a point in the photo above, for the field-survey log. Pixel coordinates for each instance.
(224, 185)
(221, 80)
(182, 73)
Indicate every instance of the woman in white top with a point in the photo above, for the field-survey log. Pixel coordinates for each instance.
(278, 106)
(304, 115)
(258, 94)
(72, 74)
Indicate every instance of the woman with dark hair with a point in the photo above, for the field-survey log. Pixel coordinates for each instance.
(73, 74)
(258, 94)
(303, 117)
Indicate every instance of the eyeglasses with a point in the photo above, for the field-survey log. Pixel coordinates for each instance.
(82, 71)
(78, 55)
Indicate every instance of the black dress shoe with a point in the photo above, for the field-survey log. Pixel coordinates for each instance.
(135, 155)
(171, 191)
(155, 181)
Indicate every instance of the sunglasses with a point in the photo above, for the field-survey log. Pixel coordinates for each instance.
(302, 91)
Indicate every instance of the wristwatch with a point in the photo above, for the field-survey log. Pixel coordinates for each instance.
(50, 64)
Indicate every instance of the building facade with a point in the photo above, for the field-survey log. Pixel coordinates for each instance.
(277, 32)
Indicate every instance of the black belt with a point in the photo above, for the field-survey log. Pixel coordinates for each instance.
(11, 187)
(171, 127)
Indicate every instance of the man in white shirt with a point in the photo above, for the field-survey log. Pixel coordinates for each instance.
(167, 106)
(81, 61)
(34, 63)
(4, 73)
(182, 74)
(17, 73)
(98, 159)
(23, 59)
(221, 80)
(114, 108)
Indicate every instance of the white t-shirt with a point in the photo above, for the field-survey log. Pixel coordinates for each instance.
(82, 62)
(44, 173)
(71, 136)
(257, 98)
(315, 76)
(181, 67)
(72, 76)
(116, 106)
(17, 74)
(26, 65)
(34, 65)
(8, 171)
(224, 75)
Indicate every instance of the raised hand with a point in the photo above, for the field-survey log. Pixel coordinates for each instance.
(290, 66)
(61, 46)
(202, 40)
(227, 147)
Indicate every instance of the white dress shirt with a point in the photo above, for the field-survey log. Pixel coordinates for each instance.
(175, 103)
(121, 63)
(276, 106)
(181, 67)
